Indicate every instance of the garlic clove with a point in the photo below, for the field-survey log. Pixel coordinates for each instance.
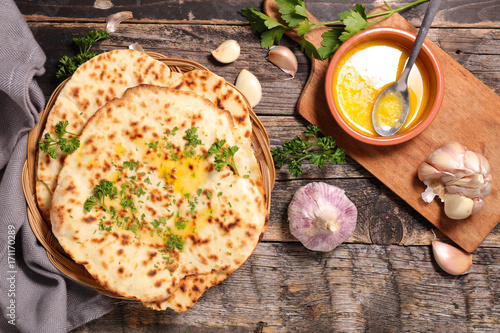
(427, 172)
(227, 52)
(452, 260)
(321, 216)
(113, 20)
(249, 86)
(136, 46)
(485, 166)
(478, 205)
(485, 190)
(472, 181)
(472, 161)
(449, 157)
(465, 191)
(457, 206)
(284, 58)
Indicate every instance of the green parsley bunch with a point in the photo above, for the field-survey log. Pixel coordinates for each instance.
(319, 150)
(68, 65)
(295, 16)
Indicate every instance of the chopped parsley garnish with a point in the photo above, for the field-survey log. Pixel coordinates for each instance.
(174, 242)
(192, 138)
(181, 223)
(67, 145)
(153, 145)
(131, 165)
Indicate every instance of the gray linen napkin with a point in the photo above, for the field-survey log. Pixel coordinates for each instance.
(35, 296)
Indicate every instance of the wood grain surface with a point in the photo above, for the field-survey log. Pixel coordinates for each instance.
(384, 278)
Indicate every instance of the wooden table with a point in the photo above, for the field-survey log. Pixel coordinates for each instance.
(384, 278)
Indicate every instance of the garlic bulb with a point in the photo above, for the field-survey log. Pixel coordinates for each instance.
(321, 216)
(227, 52)
(452, 260)
(113, 20)
(284, 58)
(459, 177)
(249, 86)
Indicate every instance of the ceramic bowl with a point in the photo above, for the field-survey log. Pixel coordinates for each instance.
(429, 62)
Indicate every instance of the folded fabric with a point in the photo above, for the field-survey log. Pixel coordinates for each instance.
(36, 297)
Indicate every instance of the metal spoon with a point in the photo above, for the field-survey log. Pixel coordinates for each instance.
(400, 87)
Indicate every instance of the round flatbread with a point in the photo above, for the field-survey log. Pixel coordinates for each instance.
(161, 200)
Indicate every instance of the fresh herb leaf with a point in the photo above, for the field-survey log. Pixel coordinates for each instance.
(67, 66)
(319, 151)
(223, 156)
(66, 145)
(271, 31)
(292, 12)
(354, 21)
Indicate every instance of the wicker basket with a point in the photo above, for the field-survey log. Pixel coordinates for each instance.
(43, 230)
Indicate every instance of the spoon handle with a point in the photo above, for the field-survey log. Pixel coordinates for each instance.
(432, 8)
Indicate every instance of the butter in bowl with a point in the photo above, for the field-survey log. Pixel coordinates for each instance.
(364, 66)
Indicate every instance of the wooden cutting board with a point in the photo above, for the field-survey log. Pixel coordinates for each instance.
(470, 114)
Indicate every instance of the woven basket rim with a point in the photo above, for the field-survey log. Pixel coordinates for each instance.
(43, 230)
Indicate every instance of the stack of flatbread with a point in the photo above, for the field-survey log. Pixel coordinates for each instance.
(164, 198)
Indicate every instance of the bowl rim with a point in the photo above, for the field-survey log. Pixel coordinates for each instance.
(395, 139)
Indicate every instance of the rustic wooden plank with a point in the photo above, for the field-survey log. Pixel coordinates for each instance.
(280, 93)
(284, 288)
(456, 13)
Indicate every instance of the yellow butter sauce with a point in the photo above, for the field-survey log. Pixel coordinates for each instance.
(365, 71)
(389, 109)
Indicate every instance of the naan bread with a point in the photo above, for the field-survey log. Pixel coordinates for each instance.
(106, 77)
(93, 84)
(168, 194)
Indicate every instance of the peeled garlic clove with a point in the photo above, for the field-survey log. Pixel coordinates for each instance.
(136, 46)
(452, 260)
(457, 206)
(284, 58)
(227, 52)
(249, 86)
(321, 216)
(113, 20)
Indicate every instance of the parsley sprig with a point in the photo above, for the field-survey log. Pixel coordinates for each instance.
(68, 65)
(223, 156)
(319, 151)
(102, 190)
(67, 145)
(294, 16)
